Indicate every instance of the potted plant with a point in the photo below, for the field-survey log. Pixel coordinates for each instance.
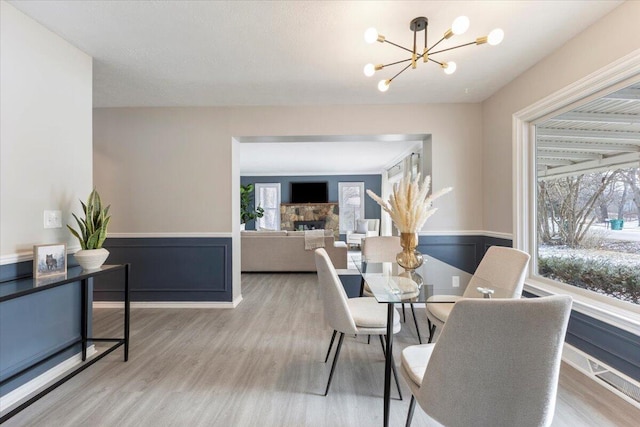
(92, 233)
(247, 213)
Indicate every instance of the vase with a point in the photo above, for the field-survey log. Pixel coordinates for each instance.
(409, 258)
(91, 259)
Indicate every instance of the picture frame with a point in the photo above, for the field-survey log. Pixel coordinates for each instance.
(49, 260)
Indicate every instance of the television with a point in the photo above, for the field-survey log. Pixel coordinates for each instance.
(309, 192)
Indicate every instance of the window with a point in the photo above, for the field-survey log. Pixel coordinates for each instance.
(588, 196)
(564, 124)
(351, 204)
(268, 197)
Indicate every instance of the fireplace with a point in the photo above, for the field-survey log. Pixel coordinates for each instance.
(308, 225)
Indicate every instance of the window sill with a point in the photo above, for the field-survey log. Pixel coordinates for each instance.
(617, 313)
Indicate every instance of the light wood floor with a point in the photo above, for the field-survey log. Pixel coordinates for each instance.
(260, 364)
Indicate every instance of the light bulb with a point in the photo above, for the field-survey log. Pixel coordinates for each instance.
(495, 37)
(460, 25)
(369, 70)
(383, 85)
(450, 68)
(371, 35)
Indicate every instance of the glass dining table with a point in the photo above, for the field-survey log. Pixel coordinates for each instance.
(391, 285)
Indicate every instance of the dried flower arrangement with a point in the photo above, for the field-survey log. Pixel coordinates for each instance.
(410, 204)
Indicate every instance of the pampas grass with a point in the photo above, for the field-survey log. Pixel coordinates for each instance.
(409, 204)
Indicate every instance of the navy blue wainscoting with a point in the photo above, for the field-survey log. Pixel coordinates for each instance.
(614, 346)
(351, 284)
(35, 326)
(463, 252)
(170, 269)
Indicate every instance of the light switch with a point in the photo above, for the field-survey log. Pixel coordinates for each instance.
(455, 281)
(52, 219)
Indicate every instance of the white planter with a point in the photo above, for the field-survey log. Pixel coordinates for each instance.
(242, 226)
(91, 259)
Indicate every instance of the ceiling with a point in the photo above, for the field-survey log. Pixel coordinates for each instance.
(223, 53)
(603, 134)
(220, 53)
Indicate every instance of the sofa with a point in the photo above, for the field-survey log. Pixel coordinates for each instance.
(284, 251)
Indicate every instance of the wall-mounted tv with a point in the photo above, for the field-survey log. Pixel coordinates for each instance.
(309, 192)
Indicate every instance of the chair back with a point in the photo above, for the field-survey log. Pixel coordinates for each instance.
(497, 362)
(503, 270)
(334, 298)
(380, 248)
(374, 225)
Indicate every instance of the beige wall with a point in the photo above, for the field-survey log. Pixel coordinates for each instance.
(45, 132)
(611, 38)
(170, 169)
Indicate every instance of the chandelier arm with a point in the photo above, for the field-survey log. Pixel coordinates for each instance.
(436, 44)
(401, 71)
(451, 48)
(397, 45)
(433, 60)
(397, 62)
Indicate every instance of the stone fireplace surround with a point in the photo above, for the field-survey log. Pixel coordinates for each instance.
(327, 212)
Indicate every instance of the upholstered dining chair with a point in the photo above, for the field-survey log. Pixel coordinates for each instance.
(383, 249)
(352, 316)
(500, 274)
(496, 363)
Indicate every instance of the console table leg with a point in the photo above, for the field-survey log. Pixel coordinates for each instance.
(84, 317)
(127, 312)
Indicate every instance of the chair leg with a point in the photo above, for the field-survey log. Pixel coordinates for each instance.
(368, 339)
(412, 406)
(335, 361)
(333, 337)
(361, 286)
(404, 315)
(432, 330)
(393, 366)
(416, 323)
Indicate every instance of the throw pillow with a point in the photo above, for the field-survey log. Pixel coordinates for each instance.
(363, 226)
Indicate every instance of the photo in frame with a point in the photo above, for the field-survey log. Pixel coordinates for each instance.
(49, 260)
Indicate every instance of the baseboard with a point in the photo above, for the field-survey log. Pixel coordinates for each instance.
(169, 304)
(31, 387)
(609, 378)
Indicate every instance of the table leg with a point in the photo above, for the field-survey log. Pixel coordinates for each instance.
(84, 313)
(127, 312)
(387, 363)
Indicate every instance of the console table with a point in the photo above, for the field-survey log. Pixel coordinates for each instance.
(21, 287)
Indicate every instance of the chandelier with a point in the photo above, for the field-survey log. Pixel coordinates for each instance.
(459, 26)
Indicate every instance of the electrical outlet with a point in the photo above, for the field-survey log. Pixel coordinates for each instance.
(455, 281)
(52, 219)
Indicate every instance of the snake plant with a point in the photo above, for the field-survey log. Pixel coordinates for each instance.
(93, 228)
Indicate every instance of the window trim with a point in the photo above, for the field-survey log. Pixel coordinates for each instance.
(617, 75)
(257, 187)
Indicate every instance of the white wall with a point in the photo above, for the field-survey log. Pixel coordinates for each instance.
(611, 38)
(45, 132)
(170, 169)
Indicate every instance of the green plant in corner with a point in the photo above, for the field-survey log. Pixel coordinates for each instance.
(246, 199)
(93, 228)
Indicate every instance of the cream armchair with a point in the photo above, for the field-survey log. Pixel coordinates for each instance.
(364, 228)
